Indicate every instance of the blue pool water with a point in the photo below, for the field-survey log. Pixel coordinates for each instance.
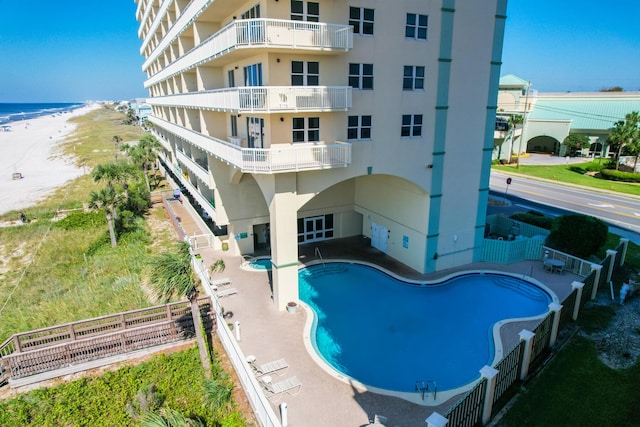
(260, 264)
(388, 334)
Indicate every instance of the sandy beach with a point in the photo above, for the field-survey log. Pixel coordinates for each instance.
(31, 149)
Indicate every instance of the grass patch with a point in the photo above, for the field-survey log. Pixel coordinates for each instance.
(565, 174)
(114, 398)
(576, 389)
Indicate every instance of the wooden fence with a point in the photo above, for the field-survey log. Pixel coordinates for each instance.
(60, 346)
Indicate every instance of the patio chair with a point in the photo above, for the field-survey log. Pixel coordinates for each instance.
(290, 386)
(220, 282)
(278, 367)
(226, 292)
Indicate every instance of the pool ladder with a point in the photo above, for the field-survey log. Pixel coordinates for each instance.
(427, 386)
(319, 255)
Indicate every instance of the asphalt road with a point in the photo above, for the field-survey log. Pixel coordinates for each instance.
(620, 211)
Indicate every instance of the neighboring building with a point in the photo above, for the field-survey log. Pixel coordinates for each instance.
(296, 121)
(552, 116)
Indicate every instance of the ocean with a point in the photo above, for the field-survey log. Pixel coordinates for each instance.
(11, 112)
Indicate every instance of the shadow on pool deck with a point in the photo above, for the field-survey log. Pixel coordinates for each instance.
(324, 400)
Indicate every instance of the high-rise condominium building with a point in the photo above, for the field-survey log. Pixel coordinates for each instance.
(293, 121)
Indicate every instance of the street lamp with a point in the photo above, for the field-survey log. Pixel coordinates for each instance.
(524, 124)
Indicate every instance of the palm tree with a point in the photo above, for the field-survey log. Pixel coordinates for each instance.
(144, 155)
(112, 173)
(171, 274)
(106, 199)
(626, 133)
(514, 121)
(168, 418)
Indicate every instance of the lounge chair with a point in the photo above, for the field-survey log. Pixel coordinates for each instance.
(226, 292)
(268, 368)
(215, 284)
(290, 386)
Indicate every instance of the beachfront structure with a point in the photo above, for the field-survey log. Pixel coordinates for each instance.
(552, 116)
(292, 122)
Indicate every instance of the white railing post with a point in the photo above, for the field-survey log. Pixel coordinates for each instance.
(576, 308)
(625, 245)
(611, 253)
(556, 309)
(491, 375)
(598, 269)
(527, 337)
(436, 420)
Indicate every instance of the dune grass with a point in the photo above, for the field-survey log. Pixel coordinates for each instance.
(118, 398)
(50, 275)
(563, 173)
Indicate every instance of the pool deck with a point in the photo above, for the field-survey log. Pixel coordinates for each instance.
(270, 334)
(324, 400)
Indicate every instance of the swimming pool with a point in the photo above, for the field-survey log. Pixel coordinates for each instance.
(388, 334)
(259, 263)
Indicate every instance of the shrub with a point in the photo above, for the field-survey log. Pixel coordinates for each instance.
(79, 220)
(578, 235)
(534, 219)
(583, 168)
(615, 175)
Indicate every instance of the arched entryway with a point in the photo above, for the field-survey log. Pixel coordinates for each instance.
(543, 144)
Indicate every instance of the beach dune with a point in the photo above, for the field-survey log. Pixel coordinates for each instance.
(31, 149)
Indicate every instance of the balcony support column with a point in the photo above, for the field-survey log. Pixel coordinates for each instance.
(284, 239)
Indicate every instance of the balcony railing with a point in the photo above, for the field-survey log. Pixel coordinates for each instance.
(263, 99)
(278, 159)
(194, 167)
(261, 33)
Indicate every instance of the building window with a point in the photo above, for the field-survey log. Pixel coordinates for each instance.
(234, 125)
(416, 26)
(305, 11)
(411, 125)
(305, 73)
(306, 129)
(252, 13)
(361, 76)
(413, 77)
(361, 19)
(232, 78)
(359, 127)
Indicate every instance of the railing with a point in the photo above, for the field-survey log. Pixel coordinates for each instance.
(572, 264)
(278, 158)
(262, 99)
(193, 166)
(508, 371)
(260, 33)
(467, 411)
(260, 404)
(59, 346)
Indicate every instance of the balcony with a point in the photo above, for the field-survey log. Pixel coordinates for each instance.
(260, 33)
(279, 159)
(194, 167)
(263, 99)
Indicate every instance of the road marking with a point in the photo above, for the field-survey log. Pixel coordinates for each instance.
(599, 205)
(636, 214)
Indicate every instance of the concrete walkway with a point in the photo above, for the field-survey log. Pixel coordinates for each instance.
(327, 399)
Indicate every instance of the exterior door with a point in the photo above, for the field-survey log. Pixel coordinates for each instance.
(255, 132)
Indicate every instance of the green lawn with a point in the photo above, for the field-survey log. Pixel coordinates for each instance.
(576, 388)
(54, 272)
(563, 173)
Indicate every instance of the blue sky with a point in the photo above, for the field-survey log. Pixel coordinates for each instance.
(72, 50)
